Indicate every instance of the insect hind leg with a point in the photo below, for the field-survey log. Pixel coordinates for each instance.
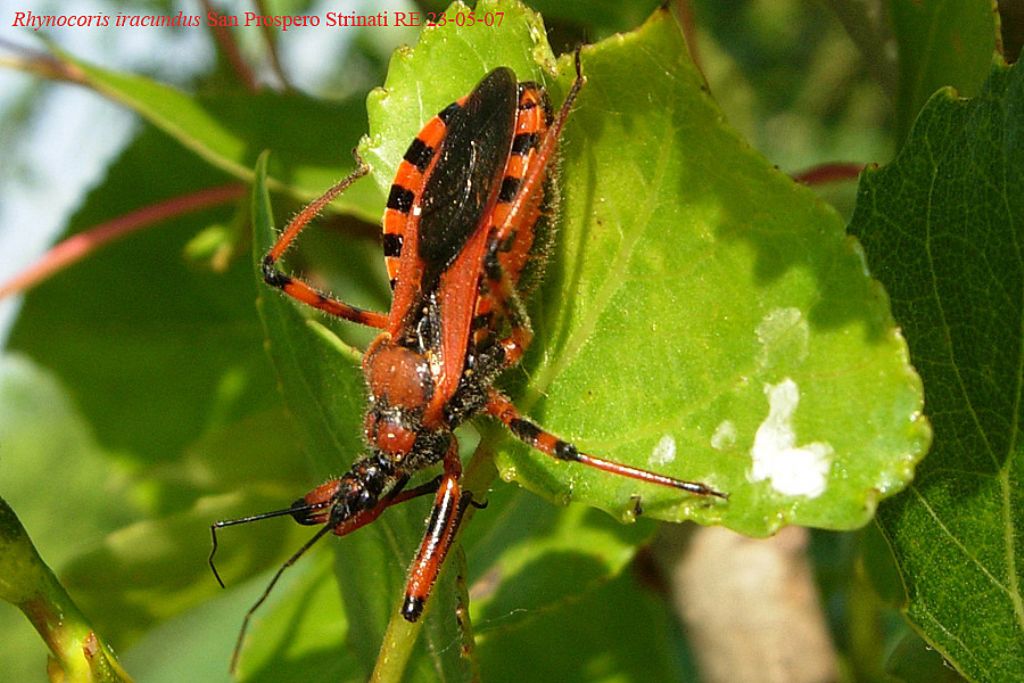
(500, 407)
(525, 209)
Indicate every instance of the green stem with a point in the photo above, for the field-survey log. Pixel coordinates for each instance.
(400, 636)
(27, 582)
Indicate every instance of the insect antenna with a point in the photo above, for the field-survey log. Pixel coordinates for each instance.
(270, 586)
(299, 507)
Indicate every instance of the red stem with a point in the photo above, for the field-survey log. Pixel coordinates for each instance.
(80, 245)
(829, 173)
(226, 41)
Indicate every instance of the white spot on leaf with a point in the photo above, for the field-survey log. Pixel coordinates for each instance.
(664, 451)
(792, 470)
(724, 436)
(784, 336)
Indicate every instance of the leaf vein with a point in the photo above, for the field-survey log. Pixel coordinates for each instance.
(956, 541)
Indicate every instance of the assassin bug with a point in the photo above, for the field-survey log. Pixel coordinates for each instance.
(465, 218)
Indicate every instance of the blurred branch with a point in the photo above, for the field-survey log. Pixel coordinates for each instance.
(270, 39)
(749, 605)
(868, 24)
(688, 24)
(39, 63)
(229, 47)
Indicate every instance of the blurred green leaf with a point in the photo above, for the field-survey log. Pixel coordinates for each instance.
(912, 661)
(300, 632)
(870, 27)
(943, 227)
(940, 43)
(578, 21)
(915, 47)
(154, 350)
(164, 360)
(526, 555)
(43, 435)
(303, 605)
(596, 19)
(47, 445)
(78, 651)
(312, 138)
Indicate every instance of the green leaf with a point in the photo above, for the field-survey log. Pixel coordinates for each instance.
(154, 350)
(570, 642)
(740, 284)
(943, 226)
(695, 298)
(940, 43)
(312, 138)
(444, 66)
(694, 293)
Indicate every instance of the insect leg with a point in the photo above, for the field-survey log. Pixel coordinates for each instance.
(393, 498)
(500, 407)
(449, 505)
(530, 187)
(347, 526)
(522, 213)
(300, 289)
(510, 306)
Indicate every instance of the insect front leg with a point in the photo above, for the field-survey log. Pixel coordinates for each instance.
(500, 407)
(314, 509)
(450, 504)
(298, 288)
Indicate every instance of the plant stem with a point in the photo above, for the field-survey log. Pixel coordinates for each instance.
(26, 581)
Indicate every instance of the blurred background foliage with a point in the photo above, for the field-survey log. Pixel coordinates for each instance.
(141, 414)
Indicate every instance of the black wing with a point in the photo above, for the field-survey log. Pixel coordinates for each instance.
(468, 172)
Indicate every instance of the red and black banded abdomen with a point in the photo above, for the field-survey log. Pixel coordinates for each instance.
(400, 221)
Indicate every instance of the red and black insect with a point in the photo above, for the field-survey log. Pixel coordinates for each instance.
(467, 217)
